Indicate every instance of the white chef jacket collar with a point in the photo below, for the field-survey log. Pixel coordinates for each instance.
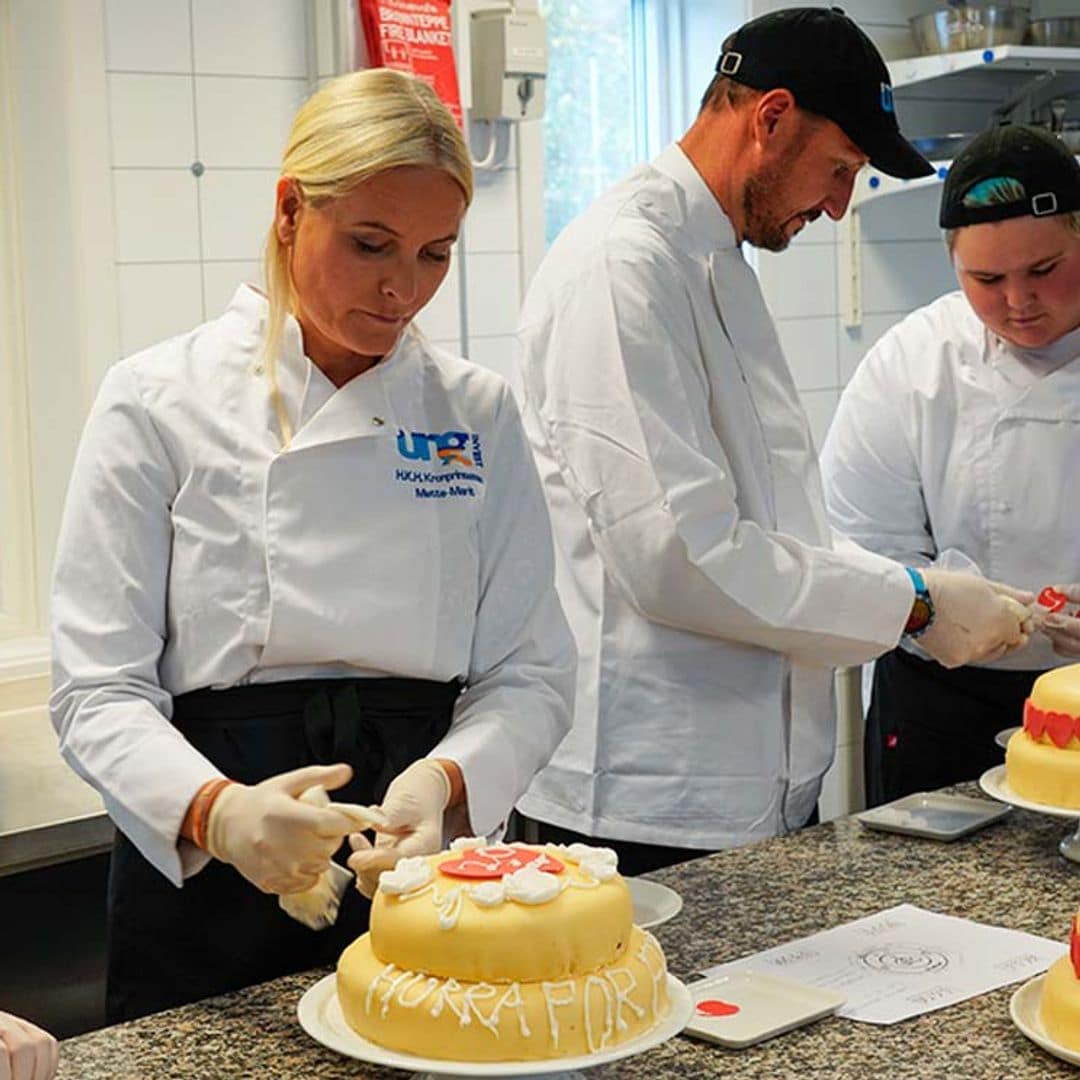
(1050, 357)
(359, 408)
(708, 222)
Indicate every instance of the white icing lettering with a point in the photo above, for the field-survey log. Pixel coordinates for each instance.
(512, 999)
(652, 956)
(594, 982)
(622, 995)
(553, 1002)
(412, 1003)
(383, 976)
(443, 997)
(449, 908)
(481, 991)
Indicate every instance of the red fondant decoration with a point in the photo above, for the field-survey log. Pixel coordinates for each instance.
(1059, 727)
(1034, 720)
(496, 862)
(1052, 600)
(716, 1007)
(1074, 947)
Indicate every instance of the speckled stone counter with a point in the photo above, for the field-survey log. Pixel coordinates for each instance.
(1009, 874)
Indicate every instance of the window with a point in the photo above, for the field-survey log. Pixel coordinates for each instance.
(624, 80)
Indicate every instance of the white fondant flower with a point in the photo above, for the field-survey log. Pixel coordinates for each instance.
(411, 873)
(488, 893)
(532, 886)
(467, 843)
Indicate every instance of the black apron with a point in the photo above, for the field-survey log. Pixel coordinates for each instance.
(169, 946)
(930, 726)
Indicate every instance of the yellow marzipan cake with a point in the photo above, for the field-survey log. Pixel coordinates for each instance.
(1059, 1006)
(503, 953)
(1042, 760)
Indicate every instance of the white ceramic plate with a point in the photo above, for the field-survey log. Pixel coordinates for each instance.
(1024, 1010)
(995, 785)
(933, 815)
(1002, 737)
(747, 1007)
(320, 1016)
(653, 903)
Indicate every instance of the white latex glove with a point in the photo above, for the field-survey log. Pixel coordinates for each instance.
(1064, 630)
(278, 843)
(413, 805)
(26, 1052)
(974, 619)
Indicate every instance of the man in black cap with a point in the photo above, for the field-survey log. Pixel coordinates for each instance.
(706, 592)
(957, 442)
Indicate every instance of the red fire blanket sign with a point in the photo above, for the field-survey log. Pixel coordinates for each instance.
(414, 36)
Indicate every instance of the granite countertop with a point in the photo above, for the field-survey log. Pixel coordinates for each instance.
(1009, 874)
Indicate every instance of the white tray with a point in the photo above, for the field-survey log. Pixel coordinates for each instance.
(747, 1007)
(1024, 1010)
(653, 903)
(319, 1013)
(933, 815)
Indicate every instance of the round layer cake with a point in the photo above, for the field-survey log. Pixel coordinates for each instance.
(503, 953)
(1042, 760)
(1059, 1006)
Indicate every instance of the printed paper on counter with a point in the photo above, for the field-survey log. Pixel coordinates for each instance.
(905, 961)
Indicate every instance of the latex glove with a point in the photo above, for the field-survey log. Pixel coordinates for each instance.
(278, 843)
(318, 906)
(26, 1052)
(974, 619)
(1064, 630)
(414, 806)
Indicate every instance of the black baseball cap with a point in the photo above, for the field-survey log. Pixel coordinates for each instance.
(834, 70)
(1008, 172)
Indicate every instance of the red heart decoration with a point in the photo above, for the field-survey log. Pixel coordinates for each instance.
(1060, 727)
(1034, 720)
(1052, 600)
(716, 1007)
(496, 862)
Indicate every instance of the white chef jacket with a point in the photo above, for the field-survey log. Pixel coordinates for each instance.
(403, 532)
(694, 558)
(946, 448)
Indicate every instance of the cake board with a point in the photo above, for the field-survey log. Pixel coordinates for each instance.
(319, 1013)
(1024, 1012)
(994, 783)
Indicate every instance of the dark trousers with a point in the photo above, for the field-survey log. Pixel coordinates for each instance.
(929, 726)
(169, 946)
(634, 858)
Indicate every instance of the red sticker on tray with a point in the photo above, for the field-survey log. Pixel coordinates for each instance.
(716, 1007)
(497, 862)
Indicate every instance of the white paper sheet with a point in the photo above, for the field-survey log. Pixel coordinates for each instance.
(905, 961)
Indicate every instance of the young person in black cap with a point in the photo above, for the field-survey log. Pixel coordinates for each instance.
(706, 591)
(957, 444)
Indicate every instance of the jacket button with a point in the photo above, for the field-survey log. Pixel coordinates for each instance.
(378, 421)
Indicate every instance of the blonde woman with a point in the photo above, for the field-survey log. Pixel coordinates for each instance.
(302, 546)
(957, 444)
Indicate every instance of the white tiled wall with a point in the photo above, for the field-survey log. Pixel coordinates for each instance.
(211, 85)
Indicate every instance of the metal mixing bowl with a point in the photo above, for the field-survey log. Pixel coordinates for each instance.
(1061, 31)
(954, 29)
